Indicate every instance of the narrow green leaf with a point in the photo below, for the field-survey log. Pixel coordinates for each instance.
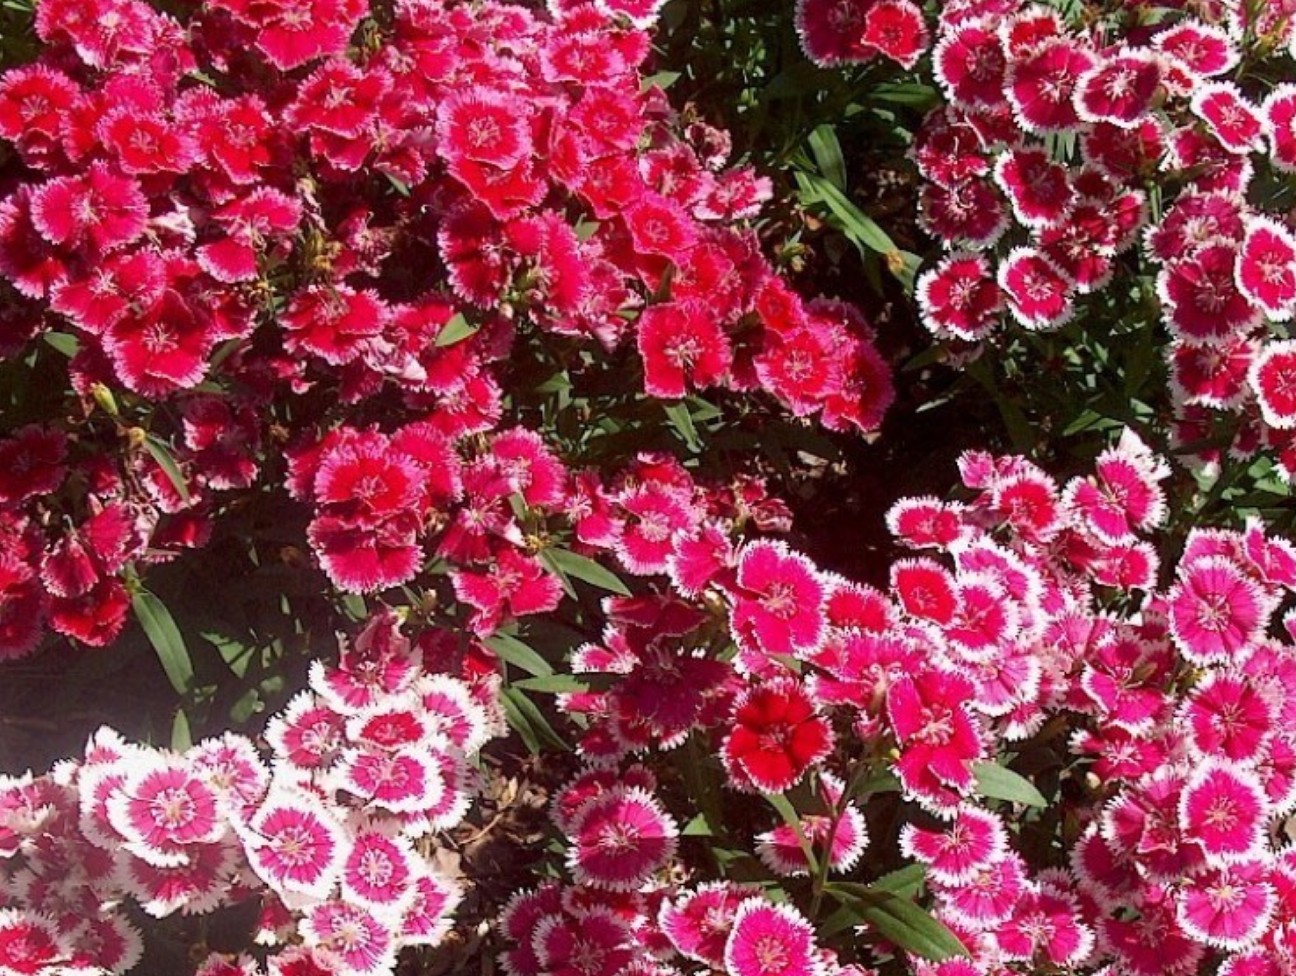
(828, 155)
(164, 635)
(162, 455)
(542, 732)
(456, 330)
(788, 812)
(518, 723)
(862, 229)
(520, 654)
(586, 569)
(181, 736)
(904, 882)
(1000, 783)
(682, 420)
(355, 606)
(63, 342)
(898, 920)
(237, 656)
(546, 557)
(552, 684)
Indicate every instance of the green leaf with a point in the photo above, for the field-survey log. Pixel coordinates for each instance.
(519, 654)
(456, 330)
(63, 342)
(904, 882)
(662, 80)
(584, 568)
(181, 736)
(682, 420)
(788, 812)
(553, 684)
(546, 557)
(697, 827)
(162, 632)
(530, 722)
(236, 656)
(828, 155)
(1000, 783)
(355, 606)
(162, 455)
(862, 229)
(898, 920)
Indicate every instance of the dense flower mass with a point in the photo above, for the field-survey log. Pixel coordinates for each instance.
(283, 221)
(331, 868)
(1070, 155)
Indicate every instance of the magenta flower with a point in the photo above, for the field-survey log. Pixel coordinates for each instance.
(1217, 612)
(974, 840)
(1229, 907)
(428, 918)
(29, 944)
(1235, 122)
(1227, 716)
(1224, 810)
(1039, 292)
(989, 896)
(939, 739)
(406, 780)
(1046, 924)
(620, 838)
(698, 922)
(771, 940)
(778, 600)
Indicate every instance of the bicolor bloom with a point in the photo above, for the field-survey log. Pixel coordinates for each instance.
(771, 940)
(777, 736)
(294, 843)
(1224, 810)
(778, 600)
(620, 838)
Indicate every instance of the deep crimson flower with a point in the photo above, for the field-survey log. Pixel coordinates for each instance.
(1119, 89)
(776, 737)
(831, 31)
(1234, 121)
(620, 838)
(1039, 294)
(960, 297)
(1036, 186)
(1042, 83)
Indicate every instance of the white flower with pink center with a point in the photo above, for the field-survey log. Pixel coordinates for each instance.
(365, 944)
(160, 808)
(974, 839)
(379, 870)
(404, 781)
(294, 844)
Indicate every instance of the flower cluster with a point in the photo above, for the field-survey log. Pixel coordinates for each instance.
(327, 833)
(277, 222)
(1037, 173)
(847, 32)
(1032, 616)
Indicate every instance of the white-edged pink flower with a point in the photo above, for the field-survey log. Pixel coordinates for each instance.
(1235, 122)
(1229, 907)
(294, 844)
(306, 734)
(407, 780)
(974, 839)
(1119, 89)
(778, 600)
(1224, 810)
(698, 922)
(161, 808)
(428, 919)
(619, 839)
(1204, 49)
(986, 900)
(1272, 376)
(771, 940)
(364, 942)
(1266, 267)
(379, 870)
(1046, 923)
(1217, 612)
(1228, 716)
(1039, 293)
